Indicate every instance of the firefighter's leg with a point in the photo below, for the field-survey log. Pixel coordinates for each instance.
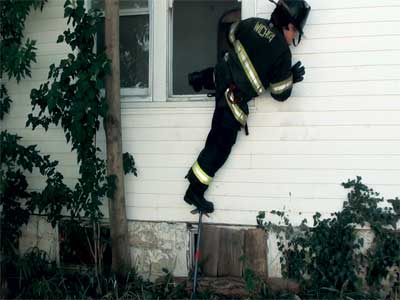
(216, 151)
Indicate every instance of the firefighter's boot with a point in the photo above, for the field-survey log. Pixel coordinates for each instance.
(198, 200)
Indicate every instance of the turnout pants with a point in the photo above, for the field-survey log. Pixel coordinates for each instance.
(221, 138)
(216, 151)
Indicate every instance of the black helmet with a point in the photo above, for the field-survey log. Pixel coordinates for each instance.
(297, 10)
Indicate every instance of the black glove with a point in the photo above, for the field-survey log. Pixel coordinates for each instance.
(202, 80)
(298, 72)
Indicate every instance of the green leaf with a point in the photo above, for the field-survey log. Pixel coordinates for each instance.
(129, 164)
(51, 103)
(261, 215)
(60, 38)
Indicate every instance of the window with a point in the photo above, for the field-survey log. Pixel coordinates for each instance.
(134, 46)
(162, 41)
(198, 35)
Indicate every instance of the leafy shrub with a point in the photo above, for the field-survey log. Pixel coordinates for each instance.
(328, 258)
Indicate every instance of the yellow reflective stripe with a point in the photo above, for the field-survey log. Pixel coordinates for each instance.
(280, 87)
(239, 115)
(232, 32)
(200, 174)
(248, 68)
(245, 61)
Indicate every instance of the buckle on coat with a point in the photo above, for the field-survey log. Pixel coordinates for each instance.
(237, 112)
(231, 97)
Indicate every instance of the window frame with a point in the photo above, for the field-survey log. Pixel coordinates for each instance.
(160, 65)
(140, 94)
(130, 95)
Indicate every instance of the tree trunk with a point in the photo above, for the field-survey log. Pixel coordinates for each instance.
(121, 261)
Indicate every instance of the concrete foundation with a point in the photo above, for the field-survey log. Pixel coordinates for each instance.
(154, 246)
(158, 246)
(39, 233)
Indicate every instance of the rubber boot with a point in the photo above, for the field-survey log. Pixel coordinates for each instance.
(202, 80)
(197, 199)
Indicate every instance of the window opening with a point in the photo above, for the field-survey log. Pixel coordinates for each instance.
(196, 38)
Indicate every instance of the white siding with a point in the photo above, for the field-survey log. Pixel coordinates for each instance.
(342, 121)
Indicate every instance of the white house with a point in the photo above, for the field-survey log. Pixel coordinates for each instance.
(342, 121)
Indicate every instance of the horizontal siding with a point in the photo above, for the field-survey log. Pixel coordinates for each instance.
(277, 162)
(350, 44)
(349, 16)
(332, 5)
(138, 117)
(342, 121)
(348, 59)
(257, 174)
(281, 133)
(341, 75)
(278, 147)
(346, 30)
(315, 89)
(43, 63)
(38, 24)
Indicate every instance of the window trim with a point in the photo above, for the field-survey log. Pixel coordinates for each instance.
(140, 94)
(130, 95)
(134, 11)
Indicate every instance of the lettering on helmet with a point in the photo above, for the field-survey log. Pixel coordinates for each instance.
(264, 32)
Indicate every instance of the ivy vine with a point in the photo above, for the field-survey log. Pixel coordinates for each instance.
(328, 259)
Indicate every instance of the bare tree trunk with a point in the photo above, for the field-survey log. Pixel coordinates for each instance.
(121, 261)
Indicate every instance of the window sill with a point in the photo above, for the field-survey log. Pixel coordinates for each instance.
(178, 106)
(174, 105)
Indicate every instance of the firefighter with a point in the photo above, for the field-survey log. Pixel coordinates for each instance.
(259, 58)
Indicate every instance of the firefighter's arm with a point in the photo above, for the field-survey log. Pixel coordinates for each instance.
(282, 90)
(281, 81)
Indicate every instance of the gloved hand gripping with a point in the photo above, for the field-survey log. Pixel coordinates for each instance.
(298, 72)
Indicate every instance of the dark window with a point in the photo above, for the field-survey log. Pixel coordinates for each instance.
(134, 45)
(196, 37)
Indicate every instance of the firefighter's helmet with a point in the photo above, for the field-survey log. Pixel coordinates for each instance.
(297, 10)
